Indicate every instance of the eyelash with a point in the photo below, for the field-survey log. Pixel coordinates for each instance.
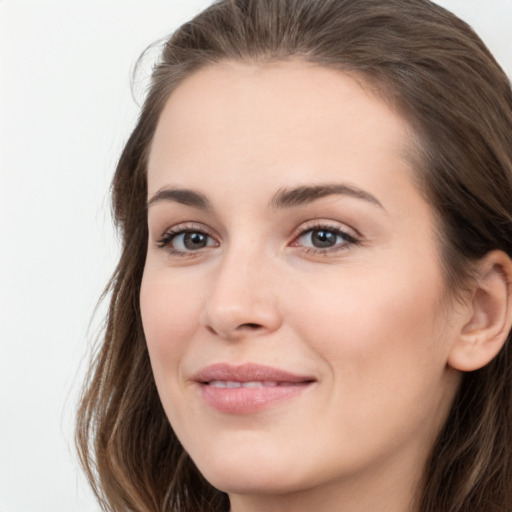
(348, 239)
(165, 241)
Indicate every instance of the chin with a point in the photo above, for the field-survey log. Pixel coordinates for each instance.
(250, 477)
(251, 484)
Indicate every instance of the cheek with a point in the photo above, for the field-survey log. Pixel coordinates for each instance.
(378, 321)
(381, 339)
(169, 319)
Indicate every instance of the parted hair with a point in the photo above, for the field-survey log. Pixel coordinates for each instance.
(437, 73)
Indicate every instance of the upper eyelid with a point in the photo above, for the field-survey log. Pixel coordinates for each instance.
(326, 224)
(189, 226)
(303, 226)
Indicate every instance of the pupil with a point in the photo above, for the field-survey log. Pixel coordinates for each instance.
(194, 240)
(322, 238)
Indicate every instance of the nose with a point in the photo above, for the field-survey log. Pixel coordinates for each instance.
(242, 300)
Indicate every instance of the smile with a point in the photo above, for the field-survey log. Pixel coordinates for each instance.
(248, 388)
(231, 384)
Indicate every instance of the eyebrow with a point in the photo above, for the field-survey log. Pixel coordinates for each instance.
(182, 196)
(286, 198)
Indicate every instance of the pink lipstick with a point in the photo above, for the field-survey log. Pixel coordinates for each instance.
(249, 387)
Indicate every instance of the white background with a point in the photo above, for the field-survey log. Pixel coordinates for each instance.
(65, 111)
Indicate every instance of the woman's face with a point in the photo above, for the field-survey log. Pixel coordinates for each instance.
(292, 297)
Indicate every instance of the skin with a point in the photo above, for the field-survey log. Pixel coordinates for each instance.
(368, 320)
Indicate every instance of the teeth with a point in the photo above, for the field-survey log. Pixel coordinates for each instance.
(252, 384)
(230, 384)
(259, 384)
(225, 384)
(217, 383)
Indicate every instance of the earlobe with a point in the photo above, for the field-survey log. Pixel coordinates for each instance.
(482, 337)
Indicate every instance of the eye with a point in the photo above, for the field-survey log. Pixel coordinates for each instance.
(182, 240)
(324, 239)
(191, 241)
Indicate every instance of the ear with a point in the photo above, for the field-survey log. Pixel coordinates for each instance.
(490, 315)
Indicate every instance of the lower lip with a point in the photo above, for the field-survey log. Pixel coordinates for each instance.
(249, 400)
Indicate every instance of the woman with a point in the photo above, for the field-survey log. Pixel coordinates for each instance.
(313, 301)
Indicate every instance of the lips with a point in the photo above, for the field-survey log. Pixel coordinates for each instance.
(248, 388)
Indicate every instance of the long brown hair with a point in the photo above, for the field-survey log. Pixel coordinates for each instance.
(433, 68)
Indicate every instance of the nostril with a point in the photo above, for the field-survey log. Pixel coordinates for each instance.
(242, 327)
(250, 326)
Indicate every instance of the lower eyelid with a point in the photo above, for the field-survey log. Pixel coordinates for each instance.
(325, 253)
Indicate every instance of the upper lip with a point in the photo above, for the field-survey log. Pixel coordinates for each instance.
(249, 372)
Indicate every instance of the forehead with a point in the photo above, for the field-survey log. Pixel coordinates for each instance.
(285, 119)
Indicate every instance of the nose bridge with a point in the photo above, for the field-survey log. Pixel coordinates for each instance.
(242, 299)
